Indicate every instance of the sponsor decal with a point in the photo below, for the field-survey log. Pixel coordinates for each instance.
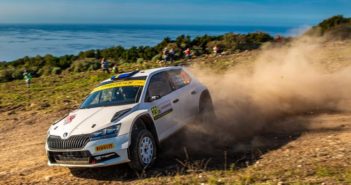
(163, 114)
(65, 135)
(161, 110)
(125, 83)
(104, 147)
(155, 111)
(69, 119)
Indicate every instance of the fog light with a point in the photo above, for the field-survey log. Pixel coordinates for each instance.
(104, 157)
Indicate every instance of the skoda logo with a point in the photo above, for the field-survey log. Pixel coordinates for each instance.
(65, 135)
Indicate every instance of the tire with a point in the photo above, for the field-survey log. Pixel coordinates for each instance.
(206, 109)
(142, 151)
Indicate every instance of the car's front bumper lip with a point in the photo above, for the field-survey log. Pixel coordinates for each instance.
(118, 145)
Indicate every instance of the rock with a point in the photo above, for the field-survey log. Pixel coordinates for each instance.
(47, 178)
(66, 101)
(11, 112)
(339, 156)
(3, 173)
(45, 105)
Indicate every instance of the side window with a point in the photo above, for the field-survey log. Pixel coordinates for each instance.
(179, 78)
(95, 98)
(159, 85)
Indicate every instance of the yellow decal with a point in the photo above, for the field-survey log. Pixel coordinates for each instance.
(104, 147)
(120, 84)
(155, 111)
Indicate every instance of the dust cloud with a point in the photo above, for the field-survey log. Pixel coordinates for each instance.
(283, 81)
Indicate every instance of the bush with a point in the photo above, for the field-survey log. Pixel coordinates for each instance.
(333, 22)
(156, 58)
(56, 70)
(17, 74)
(94, 66)
(46, 70)
(81, 66)
(336, 25)
(6, 75)
(140, 60)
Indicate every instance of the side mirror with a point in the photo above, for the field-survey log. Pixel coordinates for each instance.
(153, 98)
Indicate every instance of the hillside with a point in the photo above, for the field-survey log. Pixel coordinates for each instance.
(302, 141)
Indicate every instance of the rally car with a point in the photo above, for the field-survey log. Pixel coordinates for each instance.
(124, 119)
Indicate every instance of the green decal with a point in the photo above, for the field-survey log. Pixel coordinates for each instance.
(155, 111)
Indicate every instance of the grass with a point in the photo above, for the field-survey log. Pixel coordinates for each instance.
(64, 91)
(57, 91)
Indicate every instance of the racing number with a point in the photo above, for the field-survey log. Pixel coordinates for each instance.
(155, 111)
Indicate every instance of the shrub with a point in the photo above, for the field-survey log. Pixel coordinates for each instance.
(333, 22)
(6, 75)
(56, 70)
(81, 66)
(156, 58)
(140, 60)
(17, 74)
(46, 70)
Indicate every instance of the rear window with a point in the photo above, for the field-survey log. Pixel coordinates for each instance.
(179, 78)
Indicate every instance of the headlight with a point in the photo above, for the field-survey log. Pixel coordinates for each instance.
(105, 133)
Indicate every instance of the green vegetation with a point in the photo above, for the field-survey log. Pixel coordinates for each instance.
(143, 56)
(336, 26)
(333, 22)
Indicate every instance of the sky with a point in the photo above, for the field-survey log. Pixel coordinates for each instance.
(175, 12)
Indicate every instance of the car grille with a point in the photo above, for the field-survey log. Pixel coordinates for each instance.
(74, 157)
(73, 142)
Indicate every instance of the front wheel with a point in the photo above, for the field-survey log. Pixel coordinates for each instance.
(142, 150)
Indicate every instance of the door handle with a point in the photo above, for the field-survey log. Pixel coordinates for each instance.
(193, 92)
(176, 100)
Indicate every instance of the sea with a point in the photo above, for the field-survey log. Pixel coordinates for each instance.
(20, 40)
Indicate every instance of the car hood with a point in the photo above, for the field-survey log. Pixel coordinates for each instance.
(86, 121)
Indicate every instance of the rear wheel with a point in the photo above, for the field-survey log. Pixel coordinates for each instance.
(142, 151)
(206, 109)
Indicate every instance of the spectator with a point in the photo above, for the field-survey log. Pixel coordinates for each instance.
(171, 55)
(105, 65)
(27, 77)
(215, 50)
(187, 53)
(165, 54)
(278, 39)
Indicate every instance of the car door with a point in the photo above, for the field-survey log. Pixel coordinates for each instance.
(162, 100)
(181, 84)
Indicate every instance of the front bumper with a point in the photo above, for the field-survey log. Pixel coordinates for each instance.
(99, 153)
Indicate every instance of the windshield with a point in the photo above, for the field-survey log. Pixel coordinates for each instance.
(115, 93)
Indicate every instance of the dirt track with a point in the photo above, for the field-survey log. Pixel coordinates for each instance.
(326, 142)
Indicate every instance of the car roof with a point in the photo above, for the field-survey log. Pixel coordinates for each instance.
(147, 72)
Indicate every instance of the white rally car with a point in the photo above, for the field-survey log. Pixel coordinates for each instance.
(124, 119)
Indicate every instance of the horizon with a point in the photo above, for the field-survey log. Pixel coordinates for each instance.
(159, 24)
(195, 12)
